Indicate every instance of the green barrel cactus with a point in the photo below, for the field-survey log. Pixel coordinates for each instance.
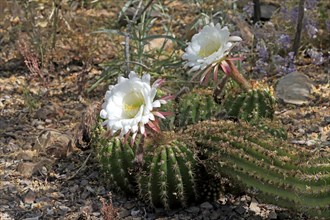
(167, 178)
(253, 104)
(198, 105)
(117, 160)
(280, 173)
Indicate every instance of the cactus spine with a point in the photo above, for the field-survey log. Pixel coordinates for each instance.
(168, 176)
(282, 174)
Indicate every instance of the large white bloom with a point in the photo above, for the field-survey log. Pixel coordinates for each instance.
(129, 104)
(210, 45)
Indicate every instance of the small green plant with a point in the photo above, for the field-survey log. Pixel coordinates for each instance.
(31, 102)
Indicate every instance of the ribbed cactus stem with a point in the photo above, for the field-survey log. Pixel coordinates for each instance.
(281, 173)
(117, 159)
(167, 179)
(237, 76)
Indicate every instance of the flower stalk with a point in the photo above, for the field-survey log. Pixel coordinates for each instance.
(235, 75)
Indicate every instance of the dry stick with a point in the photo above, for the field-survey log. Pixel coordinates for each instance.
(297, 37)
(256, 11)
(129, 30)
(80, 168)
(238, 77)
(54, 27)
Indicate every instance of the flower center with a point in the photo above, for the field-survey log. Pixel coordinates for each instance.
(132, 103)
(209, 48)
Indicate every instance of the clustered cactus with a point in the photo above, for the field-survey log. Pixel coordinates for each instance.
(170, 170)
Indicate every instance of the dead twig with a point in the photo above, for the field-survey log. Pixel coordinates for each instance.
(80, 168)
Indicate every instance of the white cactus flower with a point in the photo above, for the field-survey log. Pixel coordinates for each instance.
(211, 45)
(129, 104)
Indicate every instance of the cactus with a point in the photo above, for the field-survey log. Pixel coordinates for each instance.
(253, 104)
(117, 160)
(272, 127)
(196, 106)
(168, 175)
(282, 174)
(209, 187)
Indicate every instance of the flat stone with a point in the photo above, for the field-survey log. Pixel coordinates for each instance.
(27, 169)
(206, 205)
(294, 88)
(54, 143)
(124, 213)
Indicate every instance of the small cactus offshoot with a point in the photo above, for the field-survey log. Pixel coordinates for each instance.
(251, 105)
(167, 178)
(195, 106)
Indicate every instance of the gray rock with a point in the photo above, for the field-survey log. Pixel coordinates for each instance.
(64, 208)
(240, 210)
(267, 10)
(124, 213)
(192, 209)
(272, 215)
(135, 212)
(206, 205)
(215, 215)
(294, 88)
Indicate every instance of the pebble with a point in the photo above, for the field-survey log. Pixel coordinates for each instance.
(74, 188)
(240, 210)
(215, 215)
(254, 206)
(84, 182)
(29, 197)
(96, 214)
(206, 205)
(124, 213)
(193, 209)
(40, 127)
(64, 208)
(272, 215)
(50, 211)
(135, 212)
